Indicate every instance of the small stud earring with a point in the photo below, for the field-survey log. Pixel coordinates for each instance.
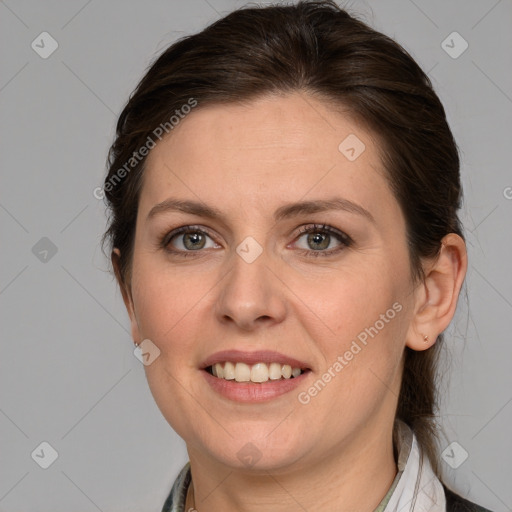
(425, 338)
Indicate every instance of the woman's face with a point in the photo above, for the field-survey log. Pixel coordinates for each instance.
(325, 287)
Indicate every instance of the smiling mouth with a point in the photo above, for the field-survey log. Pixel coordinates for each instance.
(256, 373)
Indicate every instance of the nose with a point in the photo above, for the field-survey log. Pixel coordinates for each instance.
(251, 296)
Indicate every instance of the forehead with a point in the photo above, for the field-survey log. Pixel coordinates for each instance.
(272, 150)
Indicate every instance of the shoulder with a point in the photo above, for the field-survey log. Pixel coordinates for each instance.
(456, 503)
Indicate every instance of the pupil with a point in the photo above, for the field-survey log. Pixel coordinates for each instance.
(318, 238)
(194, 237)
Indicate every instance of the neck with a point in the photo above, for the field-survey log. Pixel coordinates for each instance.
(355, 476)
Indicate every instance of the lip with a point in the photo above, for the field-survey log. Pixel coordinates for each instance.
(253, 391)
(250, 358)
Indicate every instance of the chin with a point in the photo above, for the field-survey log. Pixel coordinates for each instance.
(254, 450)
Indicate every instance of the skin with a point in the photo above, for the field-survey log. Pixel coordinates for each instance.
(334, 453)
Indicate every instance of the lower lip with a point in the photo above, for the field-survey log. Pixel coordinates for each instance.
(253, 391)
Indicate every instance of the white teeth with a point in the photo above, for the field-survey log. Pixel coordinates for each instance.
(229, 371)
(286, 370)
(274, 371)
(242, 372)
(219, 371)
(259, 372)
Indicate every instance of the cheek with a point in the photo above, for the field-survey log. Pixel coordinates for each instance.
(360, 371)
(163, 305)
(341, 304)
(164, 295)
(358, 322)
(174, 306)
(168, 307)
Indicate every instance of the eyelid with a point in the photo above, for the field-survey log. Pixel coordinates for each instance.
(313, 227)
(184, 229)
(344, 239)
(181, 230)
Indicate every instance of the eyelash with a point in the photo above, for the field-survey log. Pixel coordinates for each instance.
(343, 238)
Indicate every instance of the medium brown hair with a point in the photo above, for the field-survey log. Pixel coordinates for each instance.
(318, 48)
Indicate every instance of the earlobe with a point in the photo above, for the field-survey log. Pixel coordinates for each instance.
(437, 295)
(126, 293)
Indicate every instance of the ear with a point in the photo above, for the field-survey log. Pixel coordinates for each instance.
(125, 288)
(436, 297)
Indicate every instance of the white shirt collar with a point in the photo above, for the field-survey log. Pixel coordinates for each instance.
(418, 489)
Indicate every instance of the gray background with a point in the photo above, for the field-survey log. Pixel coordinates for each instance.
(68, 375)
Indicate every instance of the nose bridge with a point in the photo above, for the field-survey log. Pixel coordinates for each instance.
(251, 293)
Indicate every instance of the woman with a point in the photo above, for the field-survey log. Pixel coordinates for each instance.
(284, 190)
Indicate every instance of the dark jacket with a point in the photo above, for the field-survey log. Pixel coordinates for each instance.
(456, 503)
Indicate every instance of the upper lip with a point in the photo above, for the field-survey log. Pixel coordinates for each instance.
(250, 358)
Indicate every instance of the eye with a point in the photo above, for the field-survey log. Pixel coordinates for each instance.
(313, 240)
(318, 240)
(188, 239)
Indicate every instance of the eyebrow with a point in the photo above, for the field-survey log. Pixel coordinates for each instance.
(283, 212)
